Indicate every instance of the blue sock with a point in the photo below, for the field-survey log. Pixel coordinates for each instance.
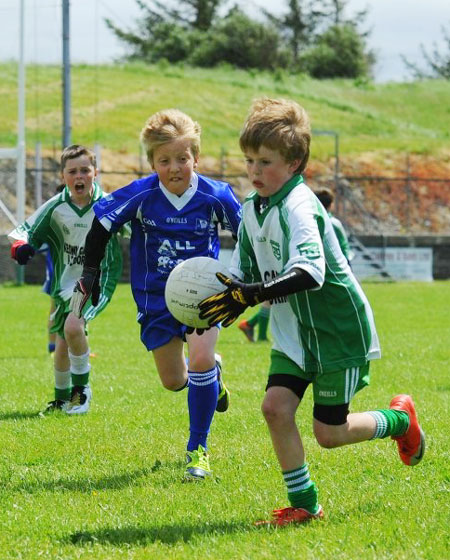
(202, 400)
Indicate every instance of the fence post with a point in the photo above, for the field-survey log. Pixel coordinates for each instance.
(141, 161)
(98, 157)
(223, 162)
(408, 194)
(38, 175)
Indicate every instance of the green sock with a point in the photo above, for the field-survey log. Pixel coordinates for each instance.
(80, 378)
(62, 394)
(390, 423)
(63, 383)
(302, 492)
(253, 319)
(263, 322)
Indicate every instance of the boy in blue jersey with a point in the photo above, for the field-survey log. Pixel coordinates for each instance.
(174, 215)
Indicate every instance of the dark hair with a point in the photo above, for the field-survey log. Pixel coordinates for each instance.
(74, 151)
(325, 196)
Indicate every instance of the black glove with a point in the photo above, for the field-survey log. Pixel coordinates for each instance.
(190, 330)
(226, 307)
(87, 286)
(22, 252)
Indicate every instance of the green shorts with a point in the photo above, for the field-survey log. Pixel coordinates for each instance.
(62, 310)
(59, 316)
(330, 388)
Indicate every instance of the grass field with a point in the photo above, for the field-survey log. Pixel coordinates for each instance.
(108, 485)
(110, 104)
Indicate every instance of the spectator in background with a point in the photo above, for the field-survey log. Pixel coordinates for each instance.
(259, 320)
(326, 197)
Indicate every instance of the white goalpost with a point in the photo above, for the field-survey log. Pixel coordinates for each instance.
(10, 153)
(18, 153)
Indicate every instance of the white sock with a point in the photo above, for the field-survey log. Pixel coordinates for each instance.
(63, 379)
(79, 364)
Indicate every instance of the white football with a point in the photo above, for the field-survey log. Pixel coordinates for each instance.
(188, 284)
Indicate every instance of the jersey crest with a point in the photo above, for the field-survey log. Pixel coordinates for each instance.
(276, 250)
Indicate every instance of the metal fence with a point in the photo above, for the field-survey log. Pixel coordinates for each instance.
(399, 205)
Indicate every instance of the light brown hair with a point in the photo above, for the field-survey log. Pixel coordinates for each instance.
(166, 126)
(278, 124)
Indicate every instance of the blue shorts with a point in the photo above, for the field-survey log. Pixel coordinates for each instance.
(47, 285)
(158, 329)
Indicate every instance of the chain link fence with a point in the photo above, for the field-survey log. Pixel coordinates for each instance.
(368, 205)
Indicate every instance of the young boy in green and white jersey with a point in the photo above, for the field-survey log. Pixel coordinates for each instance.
(63, 223)
(322, 324)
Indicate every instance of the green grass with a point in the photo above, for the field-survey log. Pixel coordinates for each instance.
(107, 485)
(110, 104)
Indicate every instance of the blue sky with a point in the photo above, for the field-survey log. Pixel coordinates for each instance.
(397, 27)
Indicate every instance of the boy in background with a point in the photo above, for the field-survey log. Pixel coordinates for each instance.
(62, 223)
(322, 324)
(326, 197)
(258, 322)
(174, 215)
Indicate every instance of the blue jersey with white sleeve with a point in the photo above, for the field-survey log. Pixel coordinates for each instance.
(167, 229)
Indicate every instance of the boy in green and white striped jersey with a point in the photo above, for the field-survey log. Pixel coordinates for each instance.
(321, 322)
(63, 223)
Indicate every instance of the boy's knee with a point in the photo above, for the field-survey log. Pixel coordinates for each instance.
(173, 385)
(73, 327)
(203, 360)
(273, 412)
(327, 439)
(174, 381)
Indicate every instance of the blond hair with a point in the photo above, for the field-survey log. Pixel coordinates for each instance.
(74, 151)
(278, 124)
(166, 126)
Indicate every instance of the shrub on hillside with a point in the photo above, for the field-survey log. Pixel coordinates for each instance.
(241, 42)
(337, 53)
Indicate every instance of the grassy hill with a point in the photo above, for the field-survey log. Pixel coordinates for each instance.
(389, 130)
(111, 103)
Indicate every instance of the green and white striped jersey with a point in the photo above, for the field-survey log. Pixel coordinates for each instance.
(327, 329)
(64, 226)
